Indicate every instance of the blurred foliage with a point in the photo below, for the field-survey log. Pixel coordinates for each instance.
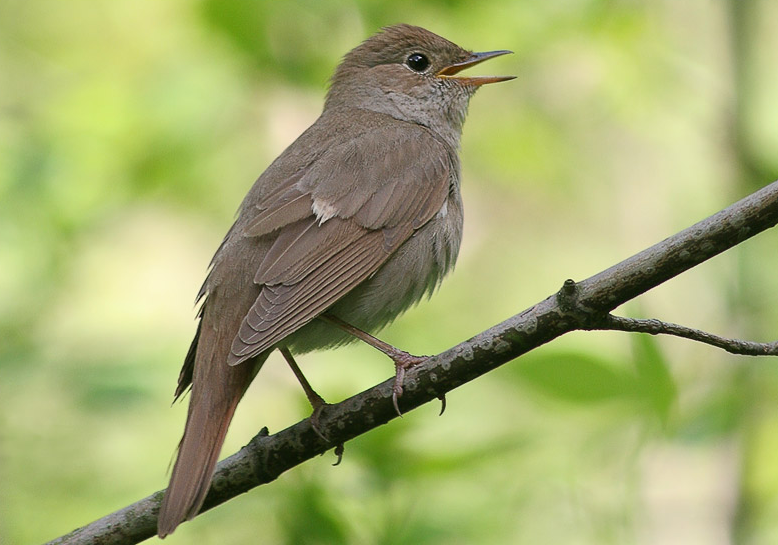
(129, 132)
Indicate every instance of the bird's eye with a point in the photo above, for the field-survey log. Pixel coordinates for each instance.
(417, 62)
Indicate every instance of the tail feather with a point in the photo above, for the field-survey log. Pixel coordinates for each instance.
(197, 455)
(216, 390)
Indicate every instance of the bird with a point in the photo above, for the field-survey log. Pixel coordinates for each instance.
(356, 221)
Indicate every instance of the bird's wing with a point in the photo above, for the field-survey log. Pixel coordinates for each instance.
(342, 219)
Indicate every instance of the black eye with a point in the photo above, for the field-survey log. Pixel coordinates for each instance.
(417, 62)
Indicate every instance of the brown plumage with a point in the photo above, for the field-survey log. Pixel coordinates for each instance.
(360, 217)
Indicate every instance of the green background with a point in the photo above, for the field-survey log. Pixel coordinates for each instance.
(129, 132)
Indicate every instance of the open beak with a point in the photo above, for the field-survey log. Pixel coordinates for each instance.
(451, 71)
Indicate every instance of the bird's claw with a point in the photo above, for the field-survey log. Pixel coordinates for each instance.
(339, 449)
(442, 399)
(314, 419)
(402, 362)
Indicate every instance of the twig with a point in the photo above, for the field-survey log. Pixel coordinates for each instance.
(657, 327)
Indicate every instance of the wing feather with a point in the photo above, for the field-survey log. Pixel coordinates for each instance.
(281, 309)
(377, 189)
(290, 207)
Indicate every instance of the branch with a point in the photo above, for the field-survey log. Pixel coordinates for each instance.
(656, 327)
(577, 306)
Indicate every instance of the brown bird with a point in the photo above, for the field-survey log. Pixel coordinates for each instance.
(352, 224)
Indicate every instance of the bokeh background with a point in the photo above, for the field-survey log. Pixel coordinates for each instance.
(129, 132)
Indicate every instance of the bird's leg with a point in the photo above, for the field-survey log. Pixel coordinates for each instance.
(402, 360)
(316, 401)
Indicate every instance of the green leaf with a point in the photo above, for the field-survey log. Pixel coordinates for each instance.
(654, 378)
(577, 377)
(310, 517)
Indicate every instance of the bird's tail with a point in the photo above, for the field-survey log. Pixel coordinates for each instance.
(216, 390)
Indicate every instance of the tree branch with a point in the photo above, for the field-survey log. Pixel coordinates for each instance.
(657, 327)
(577, 306)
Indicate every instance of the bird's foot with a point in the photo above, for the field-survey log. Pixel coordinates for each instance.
(318, 404)
(402, 359)
(402, 362)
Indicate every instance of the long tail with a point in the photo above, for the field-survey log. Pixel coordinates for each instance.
(216, 390)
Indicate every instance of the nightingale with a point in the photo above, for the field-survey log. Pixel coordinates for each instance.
(353, 223)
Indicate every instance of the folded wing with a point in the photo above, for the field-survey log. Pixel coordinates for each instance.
(342, 218)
